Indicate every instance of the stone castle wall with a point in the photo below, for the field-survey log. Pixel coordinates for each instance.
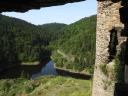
(108, 17)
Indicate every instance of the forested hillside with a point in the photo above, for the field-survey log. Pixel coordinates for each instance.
(72, 46)
(21, 41)
(52, 30)
(75, 49)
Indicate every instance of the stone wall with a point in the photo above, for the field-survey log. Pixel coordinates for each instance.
(108, 17)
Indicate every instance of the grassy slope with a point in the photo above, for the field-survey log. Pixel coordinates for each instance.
(45, 86)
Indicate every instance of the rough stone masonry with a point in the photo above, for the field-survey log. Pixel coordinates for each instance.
(111, 44)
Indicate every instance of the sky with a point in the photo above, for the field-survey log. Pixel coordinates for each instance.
(67, 14)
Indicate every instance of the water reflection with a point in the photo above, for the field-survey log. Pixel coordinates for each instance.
(48, 69)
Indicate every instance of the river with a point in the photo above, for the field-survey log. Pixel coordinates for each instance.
(48, 69)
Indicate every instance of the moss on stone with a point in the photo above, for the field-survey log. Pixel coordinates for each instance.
(103, 68)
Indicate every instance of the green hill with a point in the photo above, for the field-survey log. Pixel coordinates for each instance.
(75, 49)
(72, 46)
(24, 42)
(52, 30)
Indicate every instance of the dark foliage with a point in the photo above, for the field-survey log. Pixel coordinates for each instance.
(23, 42)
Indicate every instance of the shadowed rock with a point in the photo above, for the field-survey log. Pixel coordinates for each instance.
(25, 5)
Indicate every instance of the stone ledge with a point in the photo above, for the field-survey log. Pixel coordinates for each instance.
(25, 5)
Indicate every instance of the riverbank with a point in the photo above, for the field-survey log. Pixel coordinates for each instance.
(45, 86)
(36, 69)
(26, 69)
(68, 73)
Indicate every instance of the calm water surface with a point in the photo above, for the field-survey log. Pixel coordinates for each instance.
(48, 69)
